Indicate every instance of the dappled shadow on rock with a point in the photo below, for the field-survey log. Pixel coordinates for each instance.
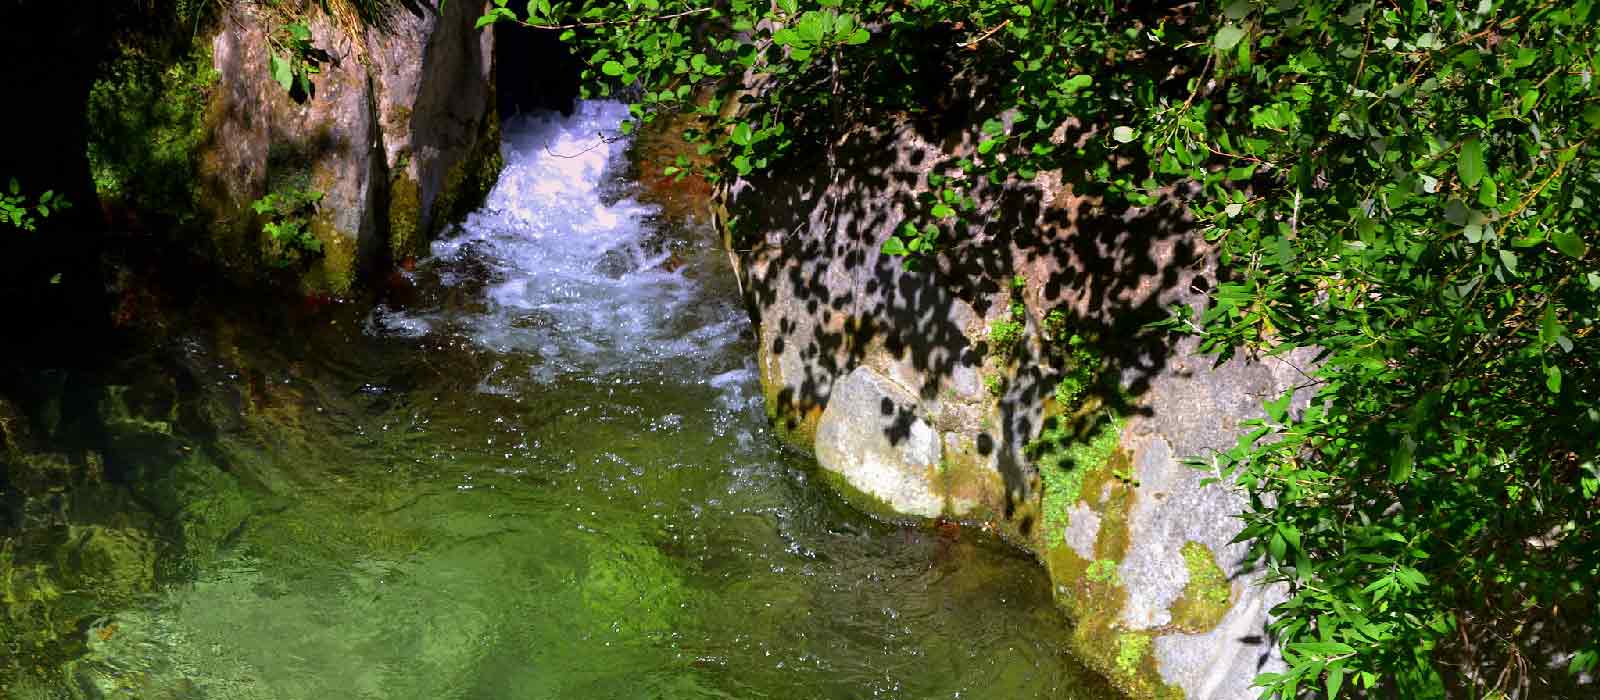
(828, 301)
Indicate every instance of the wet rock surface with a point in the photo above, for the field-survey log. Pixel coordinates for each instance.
(870, 436)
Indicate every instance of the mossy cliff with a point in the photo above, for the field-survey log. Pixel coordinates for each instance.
(397, 137)
(1008, 383)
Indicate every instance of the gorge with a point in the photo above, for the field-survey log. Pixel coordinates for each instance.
(390, 349)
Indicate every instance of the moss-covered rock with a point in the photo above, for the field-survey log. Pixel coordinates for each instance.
(1207, 596)
(406, 238)
(188, 130)
(469, 181)
(147, 114)
(116, 562)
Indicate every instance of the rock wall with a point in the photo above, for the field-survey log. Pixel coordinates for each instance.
(399, 135)
(929, 393)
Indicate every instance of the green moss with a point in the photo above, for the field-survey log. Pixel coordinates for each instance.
(1103, 571)
(335, 271)
(794, 421)
(1115, 536)
(1005, 337)
(468, 182)
(995, 384)
(860, 500)
(1206, 596)
(971, 487)
(405, 217)
(1079, 458)
(1064, 462)
(147, 121)
(1131, 649)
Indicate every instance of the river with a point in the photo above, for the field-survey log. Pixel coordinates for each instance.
(545, 472)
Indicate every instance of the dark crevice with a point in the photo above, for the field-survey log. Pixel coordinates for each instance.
(534, 71)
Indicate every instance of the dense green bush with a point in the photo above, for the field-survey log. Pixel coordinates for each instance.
(1405, 186)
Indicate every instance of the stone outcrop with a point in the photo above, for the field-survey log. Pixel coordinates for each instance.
(398, 135)
(930, 392)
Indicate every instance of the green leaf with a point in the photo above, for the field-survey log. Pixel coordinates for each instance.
(1227, 37)
(1323, 648)
(1401, 460)
(1470, 162)
(942, 211)
(1077, 82)
(1278, 409)
(894, 246)
(1509, 259)
(1570, 243)
(1123, 134)
(742, 134)
(282, 73)
(861, 36)
(1550, 327)
(1335, 679)
(611, 68)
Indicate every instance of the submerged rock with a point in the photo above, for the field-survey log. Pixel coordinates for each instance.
(117, 562)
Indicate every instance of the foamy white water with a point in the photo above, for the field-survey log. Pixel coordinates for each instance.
(578, 273)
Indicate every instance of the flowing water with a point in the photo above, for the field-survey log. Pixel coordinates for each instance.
(546, 473)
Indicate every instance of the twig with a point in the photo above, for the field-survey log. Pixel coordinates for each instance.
(603, 140)
(973, 45)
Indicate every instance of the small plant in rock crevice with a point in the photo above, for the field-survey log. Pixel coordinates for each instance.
(995, 384)
(288, 215)
(1006, 336)
(294, 60)
(1131, 649)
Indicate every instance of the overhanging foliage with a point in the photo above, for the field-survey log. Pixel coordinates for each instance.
(1406, 186)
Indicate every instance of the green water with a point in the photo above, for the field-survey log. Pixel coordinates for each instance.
(546, 473)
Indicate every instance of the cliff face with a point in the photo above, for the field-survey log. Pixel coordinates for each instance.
(398, 134)
(933, 392)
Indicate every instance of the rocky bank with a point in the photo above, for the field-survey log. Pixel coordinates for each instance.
(931, 392)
